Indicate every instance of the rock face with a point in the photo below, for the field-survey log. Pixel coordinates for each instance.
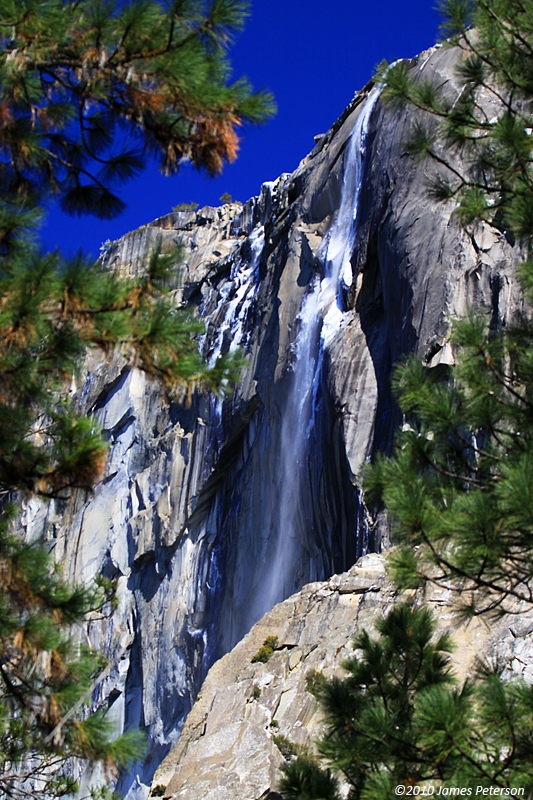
(211, 512)
(228, 749)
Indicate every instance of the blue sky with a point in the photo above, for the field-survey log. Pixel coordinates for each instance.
(313, 55)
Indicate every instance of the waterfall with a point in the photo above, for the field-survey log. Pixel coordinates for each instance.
(321, 316)
(337, 248)
(236, 297)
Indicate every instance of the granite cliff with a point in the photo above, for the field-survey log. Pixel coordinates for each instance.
(213, 511)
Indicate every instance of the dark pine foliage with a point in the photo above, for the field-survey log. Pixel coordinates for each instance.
(88, 89)
(398, 719)
(458, 488)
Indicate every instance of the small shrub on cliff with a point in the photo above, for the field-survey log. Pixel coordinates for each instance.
(313, 678)
(227, 198)
(266, 650)
(186, 207)
(291, 750)
(285, 746)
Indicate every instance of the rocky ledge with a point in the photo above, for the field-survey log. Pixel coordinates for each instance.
(228, 750)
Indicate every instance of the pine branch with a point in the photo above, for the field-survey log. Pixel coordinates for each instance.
(54, 734)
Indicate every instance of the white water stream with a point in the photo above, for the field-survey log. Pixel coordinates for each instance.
(321, 317)
(242, 283)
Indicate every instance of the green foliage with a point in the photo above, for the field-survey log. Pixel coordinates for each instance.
(306, 780)
(266, 650)
(158, 791)
(493, 181)
(458, 486)
(285, 746)
(73, 73)
(186, 207)
(46, 677)
(87, 91)
(256, 694)
(397, 718)
(226, 198)
(52, 310)
(290, 750)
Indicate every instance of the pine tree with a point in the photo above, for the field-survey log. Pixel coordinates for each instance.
(75, 75)
(47, 678)
(487, 123)
(76, 78)
(88, 90)
(399, 719)
(458, 488)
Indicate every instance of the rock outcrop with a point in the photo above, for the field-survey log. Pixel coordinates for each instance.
(249, 713)
(213, 511)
